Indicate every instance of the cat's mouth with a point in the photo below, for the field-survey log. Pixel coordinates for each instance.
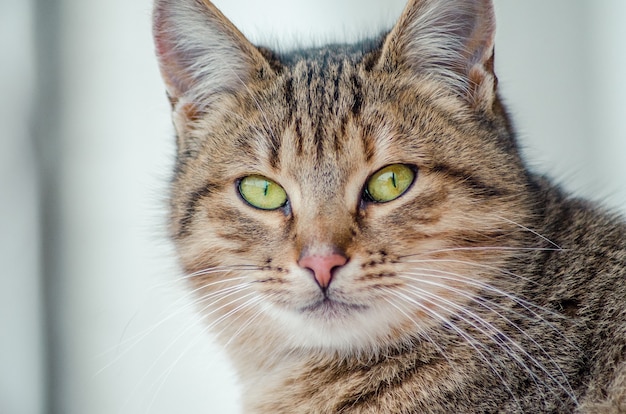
(332, 308)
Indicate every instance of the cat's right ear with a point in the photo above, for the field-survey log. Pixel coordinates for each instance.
(201, 53)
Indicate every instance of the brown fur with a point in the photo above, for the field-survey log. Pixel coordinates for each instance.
(482, 289)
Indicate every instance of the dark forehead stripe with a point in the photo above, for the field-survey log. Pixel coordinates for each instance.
(357, 91)
(321, 91)
(274, 147)
(290, 102)
(323, 87)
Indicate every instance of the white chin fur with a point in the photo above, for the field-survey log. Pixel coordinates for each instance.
(345, 331)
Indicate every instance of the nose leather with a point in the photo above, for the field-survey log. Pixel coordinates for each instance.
(322, 266)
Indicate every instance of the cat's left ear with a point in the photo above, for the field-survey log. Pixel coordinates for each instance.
(449, 40)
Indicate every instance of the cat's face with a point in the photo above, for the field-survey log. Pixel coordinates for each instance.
(345, 202)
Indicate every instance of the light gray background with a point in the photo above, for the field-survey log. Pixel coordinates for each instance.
(91, 315)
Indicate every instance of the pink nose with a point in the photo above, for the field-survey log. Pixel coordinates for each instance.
(322, 266)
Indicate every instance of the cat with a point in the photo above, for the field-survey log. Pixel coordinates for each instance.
(363, 236)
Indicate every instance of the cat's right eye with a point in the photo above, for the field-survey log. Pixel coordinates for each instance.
(262, 193)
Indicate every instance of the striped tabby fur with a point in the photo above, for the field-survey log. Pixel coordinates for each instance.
(481, 289)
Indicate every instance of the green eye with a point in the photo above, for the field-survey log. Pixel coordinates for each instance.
(261, 192)
(389, 182)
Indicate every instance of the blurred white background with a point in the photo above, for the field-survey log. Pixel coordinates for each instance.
(92, 317)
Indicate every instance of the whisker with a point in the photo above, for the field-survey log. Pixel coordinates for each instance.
(473, 342)
(417, 276)
(529, 230)
(479, 265)
(484, 248)
(482, 302)
(229, 292)
(422, 332)
(528, 306)
(445, 275)
(470, 340)
(244, 326)
(162, 379)
(458, 278)
(216, 269)
(464, 311)
(129, 343)
(491, 327)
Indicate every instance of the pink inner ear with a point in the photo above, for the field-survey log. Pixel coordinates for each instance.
(322, 266)
(201, 53)
(171, 71)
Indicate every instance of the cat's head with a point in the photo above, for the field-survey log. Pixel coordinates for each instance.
(342, 198)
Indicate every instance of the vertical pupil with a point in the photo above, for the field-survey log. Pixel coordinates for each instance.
(265, 190)
(393, 179)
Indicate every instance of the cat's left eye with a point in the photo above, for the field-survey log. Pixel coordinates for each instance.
(262, 193)
(389, 183)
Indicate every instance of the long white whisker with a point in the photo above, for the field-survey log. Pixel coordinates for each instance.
(471, 341)
(479, 265)
(472, 315)
(490, 327)
(244, 326)
(484, 248)
(428, 273)
(529, 306)
(229, 292)
(484, 303)
(217, 269)
(131, 342)
(529, 230)
(162, 379)
(422, 332)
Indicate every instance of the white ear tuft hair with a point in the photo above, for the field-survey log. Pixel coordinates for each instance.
(201, 54)
(452, 40)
